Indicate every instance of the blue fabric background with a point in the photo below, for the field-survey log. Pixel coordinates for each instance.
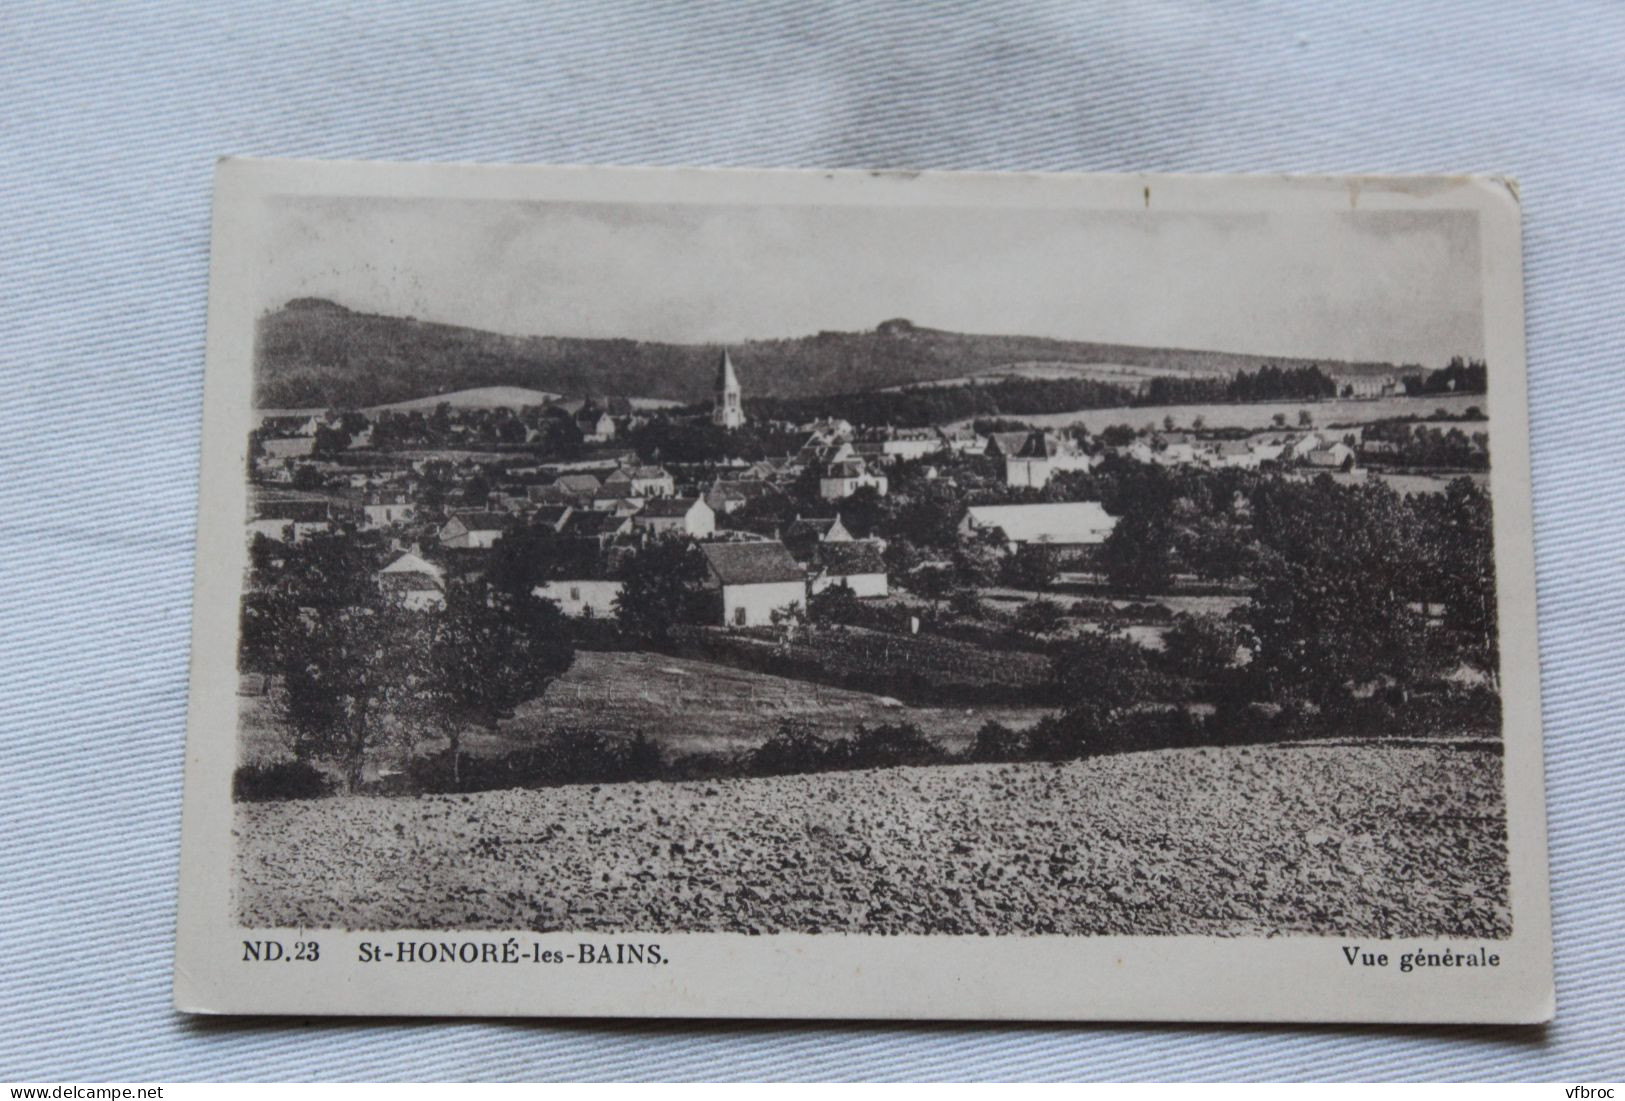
(110, 119)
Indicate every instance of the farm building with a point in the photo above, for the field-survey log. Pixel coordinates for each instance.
(474, 529)
(589, 597)
(578, 485)
(754, 580)
(856, 564)
(1063, 524)
(845, 478)
(689, 516)
(420, 584)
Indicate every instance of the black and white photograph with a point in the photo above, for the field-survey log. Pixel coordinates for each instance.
(628, 567)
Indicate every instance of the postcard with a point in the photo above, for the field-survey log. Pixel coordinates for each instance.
(722, 593)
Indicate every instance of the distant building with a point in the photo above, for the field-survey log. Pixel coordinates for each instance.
(1062, 524)
(729, 411)
(1332, 456)
(594, 424)
(583, 597)
(290, 521)
(689, 516)
(856, 564)
(802, 534)
(754, 580)
(846, 478)
(474, 530)
(383, 514)
(1039, 458)
(419, 583)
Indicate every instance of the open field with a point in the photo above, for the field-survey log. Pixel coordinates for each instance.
(687, 706)
(1332, 840)
(700, 706)
(1260, 415)
(1123, 374)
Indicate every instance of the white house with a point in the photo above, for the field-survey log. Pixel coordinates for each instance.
(383, 514)
(420, 583)
(689, 516)
(474, 529)
(1332, 455)
(845, 478)
(592, 598)
(856, 564)
(1061, 524)
(754, 580)
(649, 481)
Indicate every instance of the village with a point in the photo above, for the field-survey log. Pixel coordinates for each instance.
(772, 529)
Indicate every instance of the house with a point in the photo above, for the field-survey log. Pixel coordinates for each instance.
(552, 517)
(846, 478)
(727, 497)
(754, 580)
(1331, 456)
(962, 440)
(474, 530)
(651, 481)
(580, 486)
(1002, 445)
(594, 424)
(802, 534)
(582, 597)
(912, 443)
(1240, 454)
(856, 564)
(1062, 524)
(1040, 458)
(290, 521)
(419, 583)
(383, 514)
(602, 528)
(689, 516)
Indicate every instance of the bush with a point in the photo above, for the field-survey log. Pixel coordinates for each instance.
(1040, 617)
(887, 746)
(997, 742)
(284, 780)
(566, 756)
(793, 748)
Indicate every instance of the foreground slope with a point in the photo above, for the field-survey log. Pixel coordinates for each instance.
(1367, 840)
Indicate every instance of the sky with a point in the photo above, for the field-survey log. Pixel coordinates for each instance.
(1401, 287)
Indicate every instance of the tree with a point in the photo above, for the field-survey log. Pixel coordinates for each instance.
(1305, 419)
(1337, 583)
(660, 584)
(489, 651)
(1040, 617)
(1138, 555)
(1032, 566)
(933, 583)
(345, 670)
(1279, 420)
(1202, 645)
(1098, 676)
(861, 512)
(1168, 423)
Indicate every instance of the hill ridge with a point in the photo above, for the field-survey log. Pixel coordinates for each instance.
(314, 352)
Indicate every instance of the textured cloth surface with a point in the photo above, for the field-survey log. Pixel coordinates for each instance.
(112, 118)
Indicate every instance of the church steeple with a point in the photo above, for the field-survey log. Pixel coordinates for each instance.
(729, 411)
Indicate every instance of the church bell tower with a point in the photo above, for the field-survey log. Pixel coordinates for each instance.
(729, 413)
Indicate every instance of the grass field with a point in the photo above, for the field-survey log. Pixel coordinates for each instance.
(1370, 841)
(687, 706)
(1260, 415)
